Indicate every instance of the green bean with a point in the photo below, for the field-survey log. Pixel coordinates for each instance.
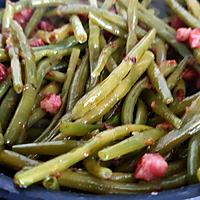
(131, 144)
(4, 86)
(69, 75)
(35, 19)
(180, 107)
(176, 137)
(120, 91)
(194, 7)
(159, 83)
(176, 75)
(111, 64)
(146, 3)
(161, 51)
(132, 24)
(163, 30)
(85, 9)
(78, 84)
(91, 184)
(30, 66)
(167, 67)
(89, 101)
(160, 108)
(67, 160)
(131, 100)
(78, 129)
(193, 161)
(105, 54)
(3, 55)
(175, 167)
(1, 138)
(7, 107)
(53, 148)
(16, 71)
(94, 168)
(179, 90)
(56, 76)
(7, 16)
(36, 115)
(107, 4)
(78, 29)
(51, 183)
(15, 161)
(121, 10)
(108, 26)
(122, 177)
(183, 14)
(141, 113)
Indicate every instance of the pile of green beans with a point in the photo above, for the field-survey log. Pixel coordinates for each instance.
(119, 72)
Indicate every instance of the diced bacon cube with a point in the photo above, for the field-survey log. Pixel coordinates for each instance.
(36, 42)
(150, 167)
(51, 103)
(46, 26)
(3, 72)
(182, 34)
(194, 38)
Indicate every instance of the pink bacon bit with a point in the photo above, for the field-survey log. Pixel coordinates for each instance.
(23, 17)
(183, 34)
(150, 167)
(194, 38)
(36, 42)
(51, 103)
(3, 72)
(176, 22)
(46, 26)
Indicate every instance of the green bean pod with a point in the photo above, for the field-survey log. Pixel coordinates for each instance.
(160, 108)
(159, 83)
(193, 161)
(141, 113)
(131, 100)
(56, 76)
(4, 86)
(131, 144)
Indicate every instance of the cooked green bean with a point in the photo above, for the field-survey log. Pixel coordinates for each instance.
(183, 14)
(69, 75)
(141, 113)
(160, 108)
(167, 67)
(7, 16)
(56, 76)
(132, 24)
(30, 66)
(161, 51)
(15, 161)
(36, 17)
(91, 184)
(3, 55)
(78, 84)
(78, 29)
(131, 100)
(66, 160)
(131, 144)
(122, 177)
(4, 86)
(107, 4)
(7, 107)
(36, 115)
(53, 148)
(176, 75)
(94, 168)
(159, 83)
(193, 161)
(106, 52)
(180, 107)
(51, 183)
(120, 91)
(90, 100)
(78, 129)
(175, 167)
(16, 71)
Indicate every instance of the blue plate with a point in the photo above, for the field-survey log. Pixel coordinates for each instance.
(10, 192)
